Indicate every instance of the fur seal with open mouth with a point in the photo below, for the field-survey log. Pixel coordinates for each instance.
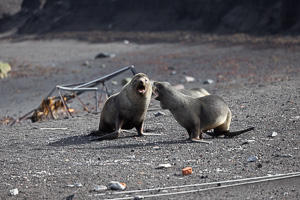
(196, 115)
(126, 109)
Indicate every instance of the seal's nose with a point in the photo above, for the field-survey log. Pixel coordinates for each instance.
(141, 82)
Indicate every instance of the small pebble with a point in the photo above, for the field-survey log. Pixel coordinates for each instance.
(114, 185)
(105, 55)
(161, 166)
(126, 42)
(71, 197)
(131, 157)
(70, 185)
(14, 192)
(138, 197)
(87, 63)
(159, 113)
(286, 156)
(208, 81)
(274, 134)
(189, 79)
(78, 184)
(252, 159)
(156, 147)
(247, 141)
(114, 82)
(259, 165)
(99, 188)
(173, 72)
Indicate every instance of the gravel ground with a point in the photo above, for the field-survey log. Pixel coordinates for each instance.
(260, 82)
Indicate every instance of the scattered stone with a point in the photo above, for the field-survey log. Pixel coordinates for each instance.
(286, 156)
(156, 147)
(208, 81)
(173, 72)
(105, 55)
(138, 197)
(114, 82)
(98, 188)
(162, 166)
(218, 170)
(295, 118)
(71, 197)
(4, 69)
(159, 113)
(274, 134)
(86, 63)
(131, 157)
(70, 185)
(14, 192)
(126, 42)
(114, 185)
(203, 177)
(247, 141)
(187, 171)
(102, 66)
(259, 165)
(78, 184)
(126, 80)
(189, 79)
(252, 159)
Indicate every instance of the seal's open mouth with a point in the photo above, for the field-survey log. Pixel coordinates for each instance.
(156, 94)
(141, 89)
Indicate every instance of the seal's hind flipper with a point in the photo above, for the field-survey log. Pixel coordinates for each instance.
(215, 133)
(235, 133)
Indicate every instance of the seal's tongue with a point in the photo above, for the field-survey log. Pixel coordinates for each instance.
(141, 89)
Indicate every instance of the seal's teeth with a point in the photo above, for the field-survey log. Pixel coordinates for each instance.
(141, 89)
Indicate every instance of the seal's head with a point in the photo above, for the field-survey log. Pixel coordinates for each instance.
(160, 89)
(166, 94)
(141, 84)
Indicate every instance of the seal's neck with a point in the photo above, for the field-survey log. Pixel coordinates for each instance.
(177, 101)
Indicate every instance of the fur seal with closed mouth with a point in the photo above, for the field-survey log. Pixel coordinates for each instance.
(196, 115)
(126, 109)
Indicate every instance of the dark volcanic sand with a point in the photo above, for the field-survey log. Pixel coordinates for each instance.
(260, 81)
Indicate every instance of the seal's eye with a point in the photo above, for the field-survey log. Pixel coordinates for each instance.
(160, 86)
